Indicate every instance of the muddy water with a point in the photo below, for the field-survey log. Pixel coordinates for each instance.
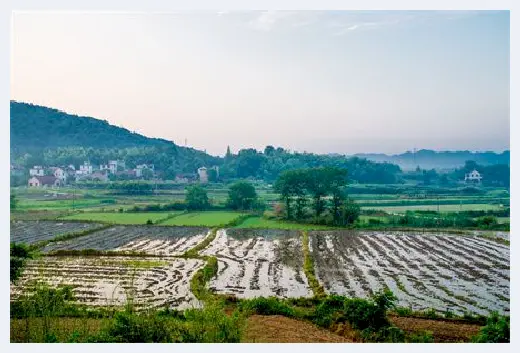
(34, 231)
(426, 270)
(112, 281)
(157, 240)
(256, 263)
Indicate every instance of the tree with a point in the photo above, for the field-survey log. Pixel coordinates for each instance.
(350, 212)
(212, 176)
(196, 198)
(14, 202)
(241, 196)
(269, 150)
(228, 156)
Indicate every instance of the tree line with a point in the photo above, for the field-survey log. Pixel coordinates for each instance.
(324, 187)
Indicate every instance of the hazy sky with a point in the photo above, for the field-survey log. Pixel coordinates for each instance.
(343, 82)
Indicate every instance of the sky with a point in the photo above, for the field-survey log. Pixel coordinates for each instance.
(317, 81)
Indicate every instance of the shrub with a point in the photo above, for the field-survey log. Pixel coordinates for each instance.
(431, 314)
(329, 311)
(402, 311)
(266, 306)
(497, 330)
(149, 221)
(363, 314)
(421, 337)
(128, 327)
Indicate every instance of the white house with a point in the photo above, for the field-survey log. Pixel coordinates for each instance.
(203, 174)
(84, 169)
(36, 171)
(141, 167)
(112, 166)
(59, 173)
(473, 177)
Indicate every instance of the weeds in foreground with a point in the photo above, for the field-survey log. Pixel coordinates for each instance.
(308, 268)
(497, 330)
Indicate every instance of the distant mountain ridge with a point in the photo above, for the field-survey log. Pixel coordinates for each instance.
(429, 159)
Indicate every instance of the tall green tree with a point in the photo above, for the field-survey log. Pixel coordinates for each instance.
(14, 201)
(196, 198)
(241, 196)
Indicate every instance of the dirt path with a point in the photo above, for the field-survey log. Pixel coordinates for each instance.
(280, 329)
(443, 331)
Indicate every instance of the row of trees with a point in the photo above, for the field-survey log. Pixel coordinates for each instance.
(241, 196)
(324, 187)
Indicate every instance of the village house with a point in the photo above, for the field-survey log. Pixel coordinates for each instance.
(99, 176)
(37, 171)
(59, 173)
(141, 167)
(473, 177)
(112, 166)
(44, 181)
(84, 169)
(203, 173)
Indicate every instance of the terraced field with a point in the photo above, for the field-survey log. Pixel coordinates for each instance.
(34, 231)
(150, 239)
(459, 273)
(254, 263)
(151, 282)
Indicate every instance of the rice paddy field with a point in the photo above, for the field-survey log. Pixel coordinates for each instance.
(149, 282)
(30, 232)
(122, 218)
(439, 271)
(443, 271)
(149, 239)
(259, 263)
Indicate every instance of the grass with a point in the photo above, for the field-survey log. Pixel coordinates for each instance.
(122, 218)
(194, 252)
(262, 223)
(308, 268)
(203, 219)
(27, 204)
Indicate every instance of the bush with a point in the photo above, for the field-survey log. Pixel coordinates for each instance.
(363, 314)
(497, 330)
(329, 311)
(149, 221)
(266, 306)
(421, 337)
(390, 334)
(128, 327)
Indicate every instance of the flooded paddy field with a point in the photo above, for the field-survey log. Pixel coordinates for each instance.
(253, 263)
(153, 240)
(110, 281)
(30, 232)
(426, 270)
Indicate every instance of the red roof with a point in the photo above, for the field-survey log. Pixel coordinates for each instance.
(46, 180)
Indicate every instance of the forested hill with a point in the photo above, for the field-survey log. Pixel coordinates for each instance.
(34, 126)
(45, 136)
(428, 159)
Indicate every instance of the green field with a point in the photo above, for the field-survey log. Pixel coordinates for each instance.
(122, 218)
(259, 222)
(442, 208)
(28, 204)
(206, 219)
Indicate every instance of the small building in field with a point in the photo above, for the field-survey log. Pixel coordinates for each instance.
(44, 181)
(37, 171)
(473, 177)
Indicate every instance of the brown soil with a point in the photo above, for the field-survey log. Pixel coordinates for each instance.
(280, 329)
(443, 331)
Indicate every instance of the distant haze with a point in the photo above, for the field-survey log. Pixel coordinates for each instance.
(327, 82)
